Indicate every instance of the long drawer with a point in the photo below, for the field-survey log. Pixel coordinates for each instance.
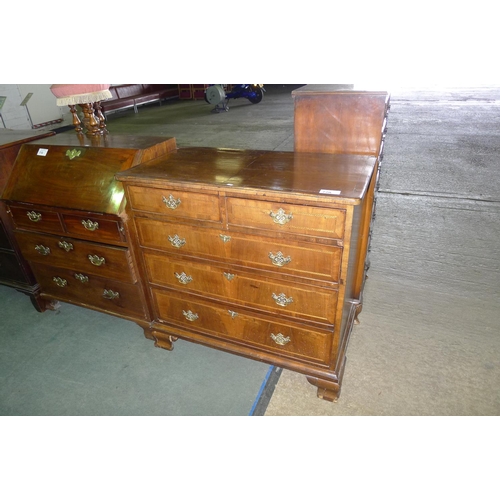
(273, 336)
(248, 289)
(103, 260)
(88, 289)
(314, 261)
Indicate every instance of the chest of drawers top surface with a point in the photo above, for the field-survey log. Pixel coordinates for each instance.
(323, 176)
(76, 173)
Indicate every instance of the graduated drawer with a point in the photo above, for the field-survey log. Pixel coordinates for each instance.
(95, 228)
(87, 289)
(36, 220)
(278, 255)
(189, 205)
(301, 301)
(273, 336)
(286, 218)
(108, 261)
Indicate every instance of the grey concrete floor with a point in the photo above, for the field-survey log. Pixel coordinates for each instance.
(428, 342)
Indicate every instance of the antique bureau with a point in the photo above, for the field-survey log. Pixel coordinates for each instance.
(14, 270)
(67, 208)
(253, 252)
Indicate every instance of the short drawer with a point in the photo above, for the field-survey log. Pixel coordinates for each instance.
(173, 203)
(69, 253)
(231, 323)
(36, 220)
(251, 290)
(90, 290)
(286, 218)
(94, 228)
(321, 262)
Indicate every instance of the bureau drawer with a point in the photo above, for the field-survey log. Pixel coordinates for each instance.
(87, 289)
(286, 218)
(243, 288)
(94, 228)
(172, 203)
(36, 220)
(313, 261)
(273, 336)
(103, 260)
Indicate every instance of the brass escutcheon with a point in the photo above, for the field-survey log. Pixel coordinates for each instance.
(224, 238)
(73, 153)
(59, 281)
(176, 242)
(96, 260)
(282, 300)
(183, 278)
(229, 276)
(90, 225)
(190, 316)
(279, 259)
(280, 339)
(232, 314)
(280, 217)
(171, 202)
(109, 294)
(34, 216)
(65, 245)
(42, 250)
(82, 277)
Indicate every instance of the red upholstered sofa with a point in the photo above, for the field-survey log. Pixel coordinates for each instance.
(132, 95)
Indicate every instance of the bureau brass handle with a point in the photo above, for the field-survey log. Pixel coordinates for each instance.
(82, 278)
(59, 281)
(279, 259)
(176, 241)
(109, 294)
(73, 153)
(232, 314)
(183, 278)
(90, 225)
(281, 217)
(224, 238)
(34, 216)
(65, 246)
(190, 316)
(96, 260)
(282, 300)
(42, 250)
(171, 202)
(229, 276)
(280, 339)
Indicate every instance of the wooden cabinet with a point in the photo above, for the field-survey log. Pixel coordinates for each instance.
(253, 252)
(14, 269)
(67, 211)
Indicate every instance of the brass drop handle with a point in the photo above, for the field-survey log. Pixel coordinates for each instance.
(171, 202)
(190, 316)
(280, 339)
(82, 278)
(65, 245)
(96, 260)
(176, 242)
(42, 250)
(59, 281)
(279, 259)
(282, 300)
(280, 217)
(183, 278)
(109, 294)
(90, 225)
(34, 216)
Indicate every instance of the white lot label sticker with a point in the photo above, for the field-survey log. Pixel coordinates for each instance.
(42, 152)
(328, 191)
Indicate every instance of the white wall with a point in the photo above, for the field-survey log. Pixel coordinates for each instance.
(42, 107)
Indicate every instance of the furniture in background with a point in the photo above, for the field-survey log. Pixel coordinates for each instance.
(345, 119)
(66, 209)
(14, 269)
(133, 95)
(253, 252)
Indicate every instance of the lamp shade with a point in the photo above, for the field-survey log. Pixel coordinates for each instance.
(80, 93)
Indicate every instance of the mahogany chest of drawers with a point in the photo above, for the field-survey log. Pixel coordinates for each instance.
(253, 252)
(67, 211)
(14, 270)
